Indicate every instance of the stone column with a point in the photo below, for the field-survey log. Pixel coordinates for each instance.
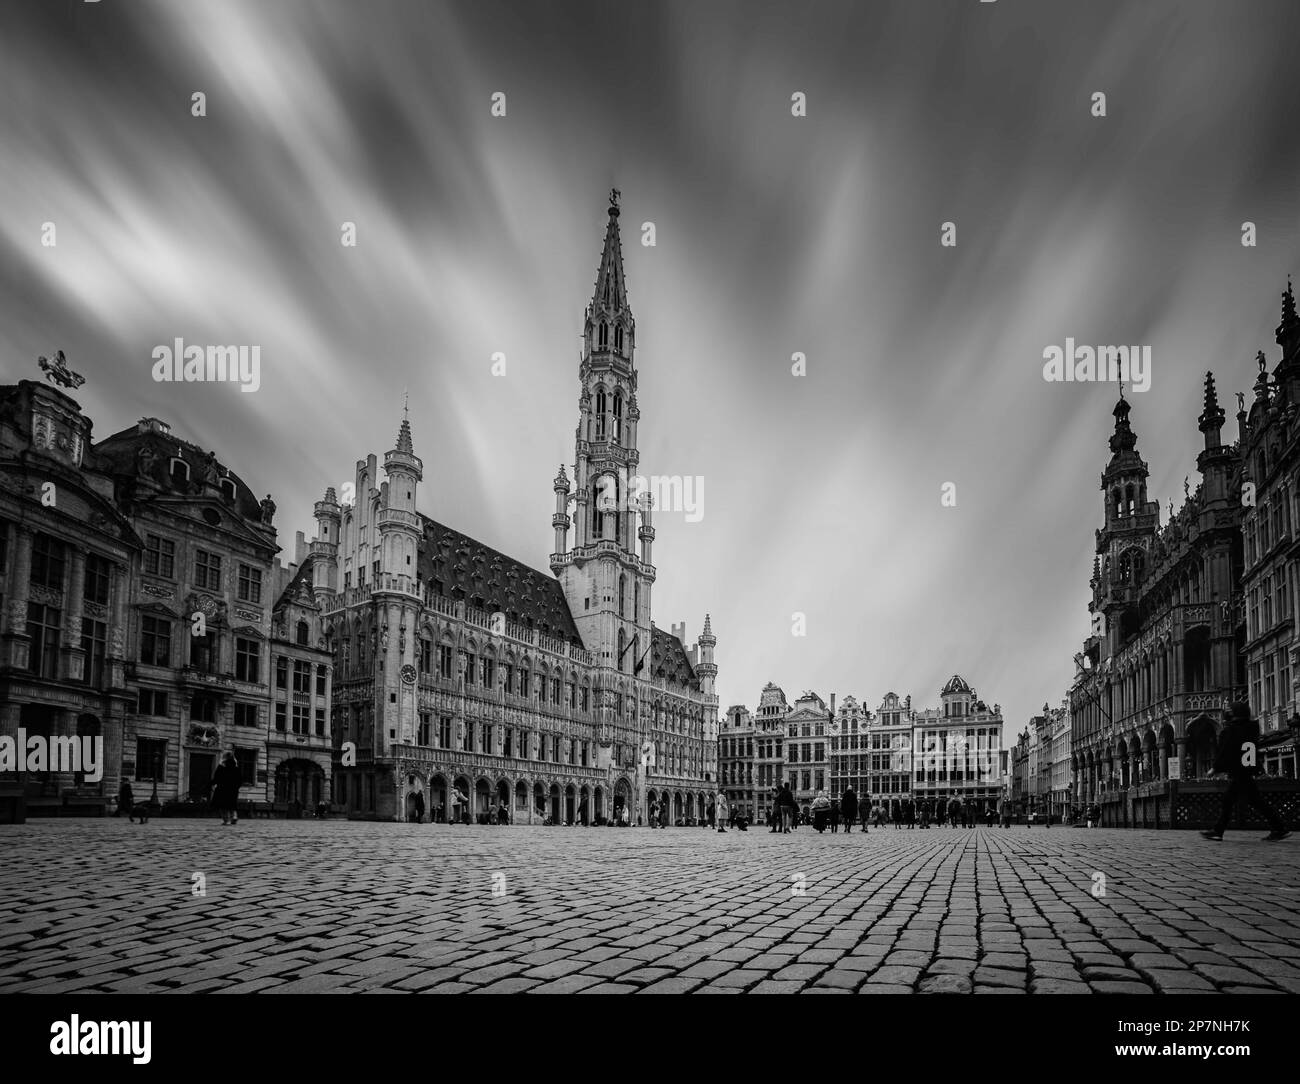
(74, 667)
(16, 640)
(117, 630)
(1180, 749)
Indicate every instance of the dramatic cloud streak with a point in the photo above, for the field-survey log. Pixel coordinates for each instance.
(775, 235)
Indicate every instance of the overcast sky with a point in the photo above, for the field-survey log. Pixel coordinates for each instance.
(775, 234)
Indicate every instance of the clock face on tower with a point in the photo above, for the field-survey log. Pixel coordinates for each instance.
(408, 674)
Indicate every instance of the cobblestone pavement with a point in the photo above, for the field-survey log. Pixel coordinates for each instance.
(339, 907)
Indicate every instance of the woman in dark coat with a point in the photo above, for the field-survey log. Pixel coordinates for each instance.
(226, 781)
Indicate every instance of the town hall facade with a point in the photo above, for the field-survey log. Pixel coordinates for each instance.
(490, 689)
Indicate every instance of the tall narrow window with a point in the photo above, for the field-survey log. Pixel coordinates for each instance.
(618, 416)
(622, 595)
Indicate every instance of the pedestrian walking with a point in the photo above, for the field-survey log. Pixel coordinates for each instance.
(909, 813)
(419, 807)
(226, 781)
(1236, 757)
(835, 816)
(788, 807)
(720, 804)
(664, 811)
(849, 810)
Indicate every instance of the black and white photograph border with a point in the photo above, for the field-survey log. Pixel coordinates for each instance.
(434, 436)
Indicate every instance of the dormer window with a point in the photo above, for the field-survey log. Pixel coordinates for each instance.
(179, 471)
(228, 489)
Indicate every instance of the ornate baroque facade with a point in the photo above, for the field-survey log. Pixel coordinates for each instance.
(140, 603)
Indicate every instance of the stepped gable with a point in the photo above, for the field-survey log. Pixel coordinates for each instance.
(449, 560)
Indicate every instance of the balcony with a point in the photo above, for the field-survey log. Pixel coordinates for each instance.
(396, 517)
(202, 679)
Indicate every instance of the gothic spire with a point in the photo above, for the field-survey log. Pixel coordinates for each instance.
(610, 294)
(404, 437)
(1211, 419)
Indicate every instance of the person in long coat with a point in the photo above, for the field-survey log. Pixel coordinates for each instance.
(664, 808)
(849, 810)
(909, 813)
(720, 807)
(226, 781)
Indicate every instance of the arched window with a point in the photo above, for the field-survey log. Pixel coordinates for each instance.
(618, 339)
(622, 595)
(603, 340)
(1128, 493)
(622, 644)
(304, 634)
(228, 491)
(180, 471)
(602, 408)
(618, 416)
(636, 601)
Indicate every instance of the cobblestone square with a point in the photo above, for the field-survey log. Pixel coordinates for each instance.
(324, 907)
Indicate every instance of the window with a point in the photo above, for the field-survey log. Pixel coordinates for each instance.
(94, 643)
(1270, 687)
(159, 556)
(247, 761)
(151, 702)
(281, 672)
(1284, 676)
(301, 677)
(303, 634)
(47, 562)
(245, 715)
(300, 718)
(807, 781)
(573, 695)
(98, 576)
(444, 660)
(586, 698)
(151, 759)
(555, 748)
(155, 641)
(555, 690)
(469, 667)
(469, 735)
(203, 710)
(507, 747)
(207, 570)
(43, 628)
(425, 734)
(248, 653)
(281, 717)
(487, 670)
(320, 722)
(250, 584)
(320, 681)
(523, 682)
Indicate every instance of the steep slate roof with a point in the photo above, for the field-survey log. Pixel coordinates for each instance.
(668, 659)
(452, 559)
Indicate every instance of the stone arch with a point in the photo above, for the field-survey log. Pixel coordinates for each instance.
(437, 798)
(584, 805)
(556, 811)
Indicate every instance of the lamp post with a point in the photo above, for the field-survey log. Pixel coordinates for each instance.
(1293, 725)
